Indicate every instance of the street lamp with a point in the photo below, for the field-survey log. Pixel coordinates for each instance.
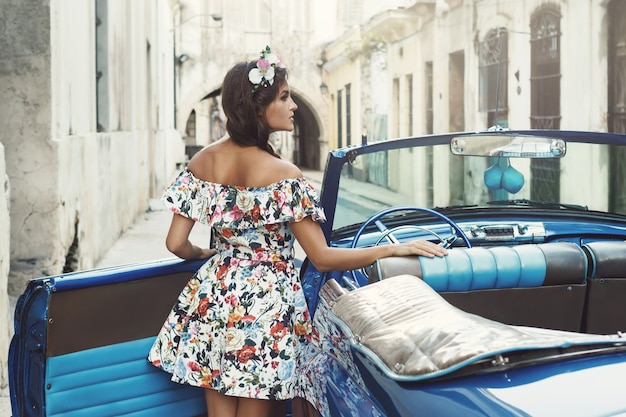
(323, 88)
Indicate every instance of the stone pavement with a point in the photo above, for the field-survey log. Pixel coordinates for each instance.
(5, 404)
(145, 241)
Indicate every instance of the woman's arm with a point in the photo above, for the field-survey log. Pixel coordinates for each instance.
(178, 243)
(310, 236)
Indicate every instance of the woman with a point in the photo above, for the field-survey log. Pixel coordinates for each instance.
(238, 326)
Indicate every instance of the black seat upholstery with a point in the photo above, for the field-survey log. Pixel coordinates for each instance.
(606, 301)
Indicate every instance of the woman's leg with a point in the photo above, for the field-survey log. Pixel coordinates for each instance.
(220, 405)
(250, 407)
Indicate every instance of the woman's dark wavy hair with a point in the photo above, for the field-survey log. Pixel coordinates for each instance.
(245, 110)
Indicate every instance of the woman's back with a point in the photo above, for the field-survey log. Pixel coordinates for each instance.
(225, 162)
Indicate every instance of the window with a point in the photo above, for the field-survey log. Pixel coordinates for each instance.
(545, 96)
(456, 88)
(217, 125)
(428, 177)
(493, 85)
(339, 121)
(348, 116)
(617, 102)
(428, 78)
(395, 108)
(409, 87)
(617, 67)
(545, 76)
(190, 128)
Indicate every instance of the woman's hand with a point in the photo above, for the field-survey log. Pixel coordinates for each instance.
(206, 253)
(312, 240)
(419, 247)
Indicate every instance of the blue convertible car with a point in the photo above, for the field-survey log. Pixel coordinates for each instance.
(524, 317)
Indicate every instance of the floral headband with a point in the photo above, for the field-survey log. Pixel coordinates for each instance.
(263, 74)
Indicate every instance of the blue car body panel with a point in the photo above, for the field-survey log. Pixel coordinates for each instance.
(576, 387)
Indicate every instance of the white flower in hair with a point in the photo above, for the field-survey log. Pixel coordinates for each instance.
(264, 72)
(272, 59)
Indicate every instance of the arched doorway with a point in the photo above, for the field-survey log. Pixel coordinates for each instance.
(205, 123)
(307, 138)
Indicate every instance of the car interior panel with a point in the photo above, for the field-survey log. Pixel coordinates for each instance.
(606, 306)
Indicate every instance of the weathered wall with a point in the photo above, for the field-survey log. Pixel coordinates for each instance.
(81, 173)
(75, 185)
(6, 324)
(25, 115)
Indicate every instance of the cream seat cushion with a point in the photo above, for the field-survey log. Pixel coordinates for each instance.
(405, 326)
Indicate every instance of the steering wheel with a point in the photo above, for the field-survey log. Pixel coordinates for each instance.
(387, 233)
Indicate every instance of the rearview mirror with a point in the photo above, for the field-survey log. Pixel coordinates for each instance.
(511, 146)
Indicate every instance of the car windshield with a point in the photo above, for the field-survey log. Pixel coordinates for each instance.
(432, 176)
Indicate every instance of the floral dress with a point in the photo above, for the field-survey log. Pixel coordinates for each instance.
(241, 322)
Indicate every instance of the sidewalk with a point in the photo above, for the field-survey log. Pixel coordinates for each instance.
(145, 241)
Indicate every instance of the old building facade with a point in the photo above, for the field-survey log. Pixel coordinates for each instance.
(466, 65)
(434, 66)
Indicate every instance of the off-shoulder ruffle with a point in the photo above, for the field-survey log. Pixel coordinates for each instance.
(235, 207)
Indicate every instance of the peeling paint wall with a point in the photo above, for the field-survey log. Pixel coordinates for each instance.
(5, 321)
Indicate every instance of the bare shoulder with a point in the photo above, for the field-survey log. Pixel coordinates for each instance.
(218, 146)
(199, 161)
(284, 169)
(203, 162)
